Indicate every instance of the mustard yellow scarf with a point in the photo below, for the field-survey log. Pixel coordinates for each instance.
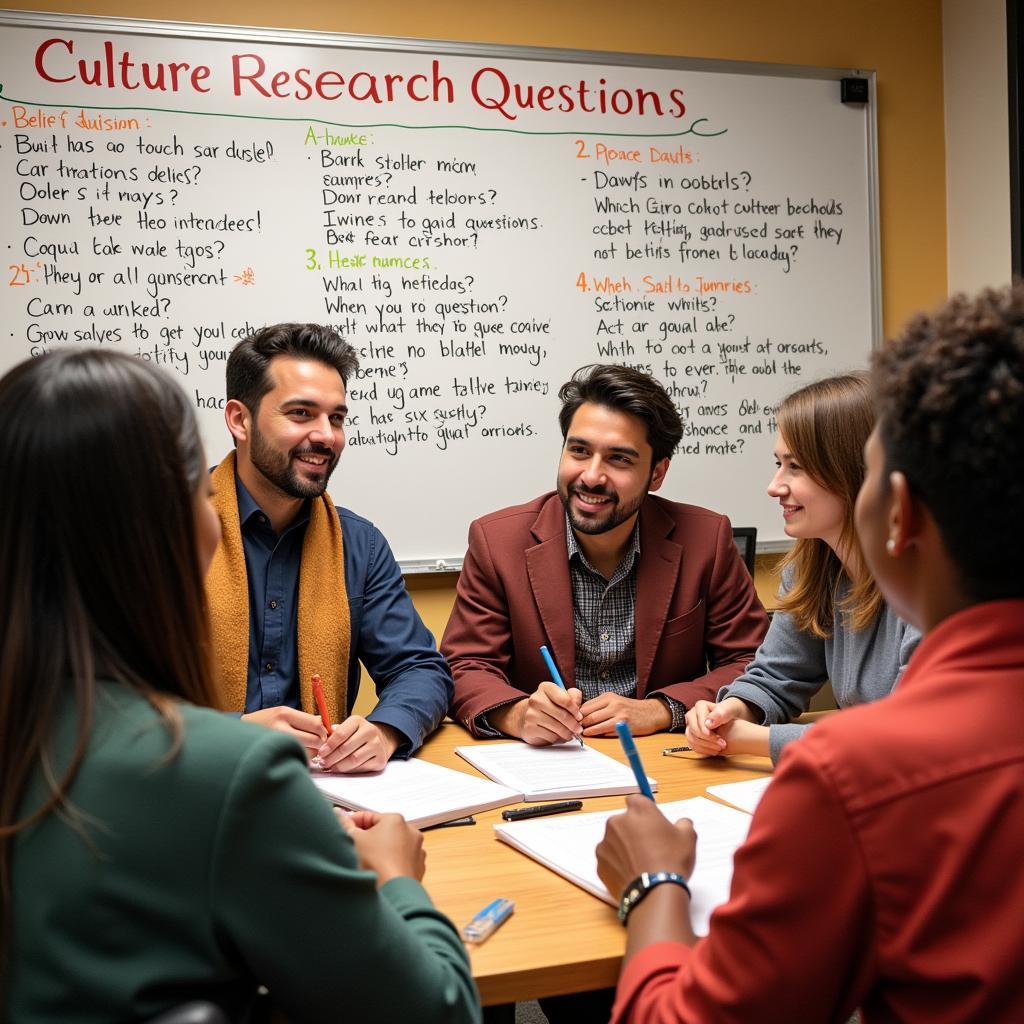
(325, 631)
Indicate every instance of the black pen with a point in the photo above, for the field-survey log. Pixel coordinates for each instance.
(468, 820)
(535, 812)
(674, 750)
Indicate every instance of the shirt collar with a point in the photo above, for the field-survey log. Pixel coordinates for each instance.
(628, 558)
(984, 636)
(248, 507)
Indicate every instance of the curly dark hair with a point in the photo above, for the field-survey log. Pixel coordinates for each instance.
(626, 390)
(950, 397)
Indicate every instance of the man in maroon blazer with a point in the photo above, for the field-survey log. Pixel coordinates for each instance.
(644, 603)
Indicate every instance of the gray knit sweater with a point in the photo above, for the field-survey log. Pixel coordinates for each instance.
(791, 666)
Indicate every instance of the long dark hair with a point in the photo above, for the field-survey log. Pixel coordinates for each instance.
(100, 460)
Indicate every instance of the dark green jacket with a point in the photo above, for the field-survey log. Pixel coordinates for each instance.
(206, 875)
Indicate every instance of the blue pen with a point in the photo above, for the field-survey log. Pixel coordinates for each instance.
(633, 755)
(556, 676)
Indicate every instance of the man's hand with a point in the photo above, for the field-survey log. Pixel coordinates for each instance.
(643, 716)
(641, 840)
(357, 745)
(307, 729)
(707, 724)
(549, 715)
(387, 844)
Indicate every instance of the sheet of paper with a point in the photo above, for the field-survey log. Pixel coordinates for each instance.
(744, 795)
(422, 793)
(563, 771)
(567, 845)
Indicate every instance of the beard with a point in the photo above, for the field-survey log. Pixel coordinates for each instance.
(279, 468)
(605, 517)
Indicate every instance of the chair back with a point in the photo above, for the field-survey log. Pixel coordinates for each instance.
(746, 540)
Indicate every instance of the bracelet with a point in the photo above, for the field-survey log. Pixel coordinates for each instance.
(642, 885)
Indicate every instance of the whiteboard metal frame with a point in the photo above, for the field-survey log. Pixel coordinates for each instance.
(449, 47)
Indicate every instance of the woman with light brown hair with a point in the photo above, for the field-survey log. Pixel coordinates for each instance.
(831, 622)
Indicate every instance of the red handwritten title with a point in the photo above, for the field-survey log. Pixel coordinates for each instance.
(57, 61)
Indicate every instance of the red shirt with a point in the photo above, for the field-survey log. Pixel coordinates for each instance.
(885, 865)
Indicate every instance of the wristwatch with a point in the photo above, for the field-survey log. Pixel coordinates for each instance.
(642, 885)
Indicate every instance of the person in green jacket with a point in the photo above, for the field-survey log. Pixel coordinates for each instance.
(153, 850)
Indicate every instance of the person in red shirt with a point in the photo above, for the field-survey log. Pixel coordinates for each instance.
(882, 867)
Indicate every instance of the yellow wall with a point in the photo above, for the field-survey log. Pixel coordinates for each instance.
(900, 40)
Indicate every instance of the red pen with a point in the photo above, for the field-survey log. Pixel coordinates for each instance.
(318, 694)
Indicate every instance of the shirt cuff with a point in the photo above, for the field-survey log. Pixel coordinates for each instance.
(677, 709)
(484, 728)
(780, 736)
(404, 749)
(751, 695)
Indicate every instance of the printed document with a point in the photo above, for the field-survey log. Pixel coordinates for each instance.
(564, 771)
(744, 795)
(568, 844)
(423, 793)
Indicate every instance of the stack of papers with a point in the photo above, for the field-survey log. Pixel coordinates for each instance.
(423, 793)
(565, 771)
(567, 846)
(744, 795)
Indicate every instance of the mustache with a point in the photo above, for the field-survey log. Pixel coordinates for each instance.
(594, 492)
(314, 449)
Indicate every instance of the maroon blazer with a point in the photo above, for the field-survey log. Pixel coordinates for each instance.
(698, 619)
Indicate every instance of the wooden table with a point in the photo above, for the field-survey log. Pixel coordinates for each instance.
(560, 939)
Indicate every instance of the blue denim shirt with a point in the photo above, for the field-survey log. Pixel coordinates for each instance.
(272, 564)
(414, 685)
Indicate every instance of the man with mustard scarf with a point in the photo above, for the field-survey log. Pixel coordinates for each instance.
(300, 587)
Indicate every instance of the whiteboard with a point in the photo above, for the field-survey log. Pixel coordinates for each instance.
(477, 221)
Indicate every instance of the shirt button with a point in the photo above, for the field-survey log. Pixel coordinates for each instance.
(606, 675)
(269, 666)
(263, 520)
(273, 604)
(604, 636)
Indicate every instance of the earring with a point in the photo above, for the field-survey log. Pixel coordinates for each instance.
(890, 546)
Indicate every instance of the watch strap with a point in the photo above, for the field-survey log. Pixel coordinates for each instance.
(642, 885)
